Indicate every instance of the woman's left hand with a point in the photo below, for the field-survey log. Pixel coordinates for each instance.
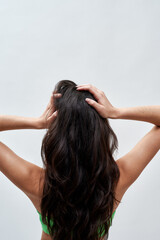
(49, 114)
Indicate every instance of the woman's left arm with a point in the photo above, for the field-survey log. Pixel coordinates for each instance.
(21, 172)
(11, 122)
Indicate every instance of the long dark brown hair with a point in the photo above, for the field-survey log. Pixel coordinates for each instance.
(80, 171)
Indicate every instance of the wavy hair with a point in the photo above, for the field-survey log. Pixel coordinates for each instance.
(80, 171)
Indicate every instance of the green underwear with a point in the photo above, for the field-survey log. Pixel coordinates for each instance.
(45, 229)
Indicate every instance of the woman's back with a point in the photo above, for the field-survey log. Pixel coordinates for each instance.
(124, 181)
(36, 198)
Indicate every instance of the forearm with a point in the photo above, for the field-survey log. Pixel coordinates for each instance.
(149, 114)
(10, 122)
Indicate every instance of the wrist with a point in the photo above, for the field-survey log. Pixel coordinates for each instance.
(120, 113)
(116, 113)
(39, 123)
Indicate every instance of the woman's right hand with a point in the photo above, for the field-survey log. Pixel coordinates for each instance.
(102, 106)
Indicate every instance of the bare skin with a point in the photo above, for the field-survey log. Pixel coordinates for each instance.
(26, 175)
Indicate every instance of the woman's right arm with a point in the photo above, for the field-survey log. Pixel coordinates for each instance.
(103, 106)
(133, 163)
(149, 114)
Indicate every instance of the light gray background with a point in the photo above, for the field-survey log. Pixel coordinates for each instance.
(114, 45)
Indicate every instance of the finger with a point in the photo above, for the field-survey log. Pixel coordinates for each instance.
(51, 119)
(57, 95)
(95, 91)
(50, 101)
(89, 86)
(94, 104)
(56, 113)
(53, 116)
(55, 92)
(53, 97)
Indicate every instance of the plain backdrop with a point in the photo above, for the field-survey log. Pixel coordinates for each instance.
(115, 46)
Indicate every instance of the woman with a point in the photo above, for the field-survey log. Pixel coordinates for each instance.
(80, 187)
